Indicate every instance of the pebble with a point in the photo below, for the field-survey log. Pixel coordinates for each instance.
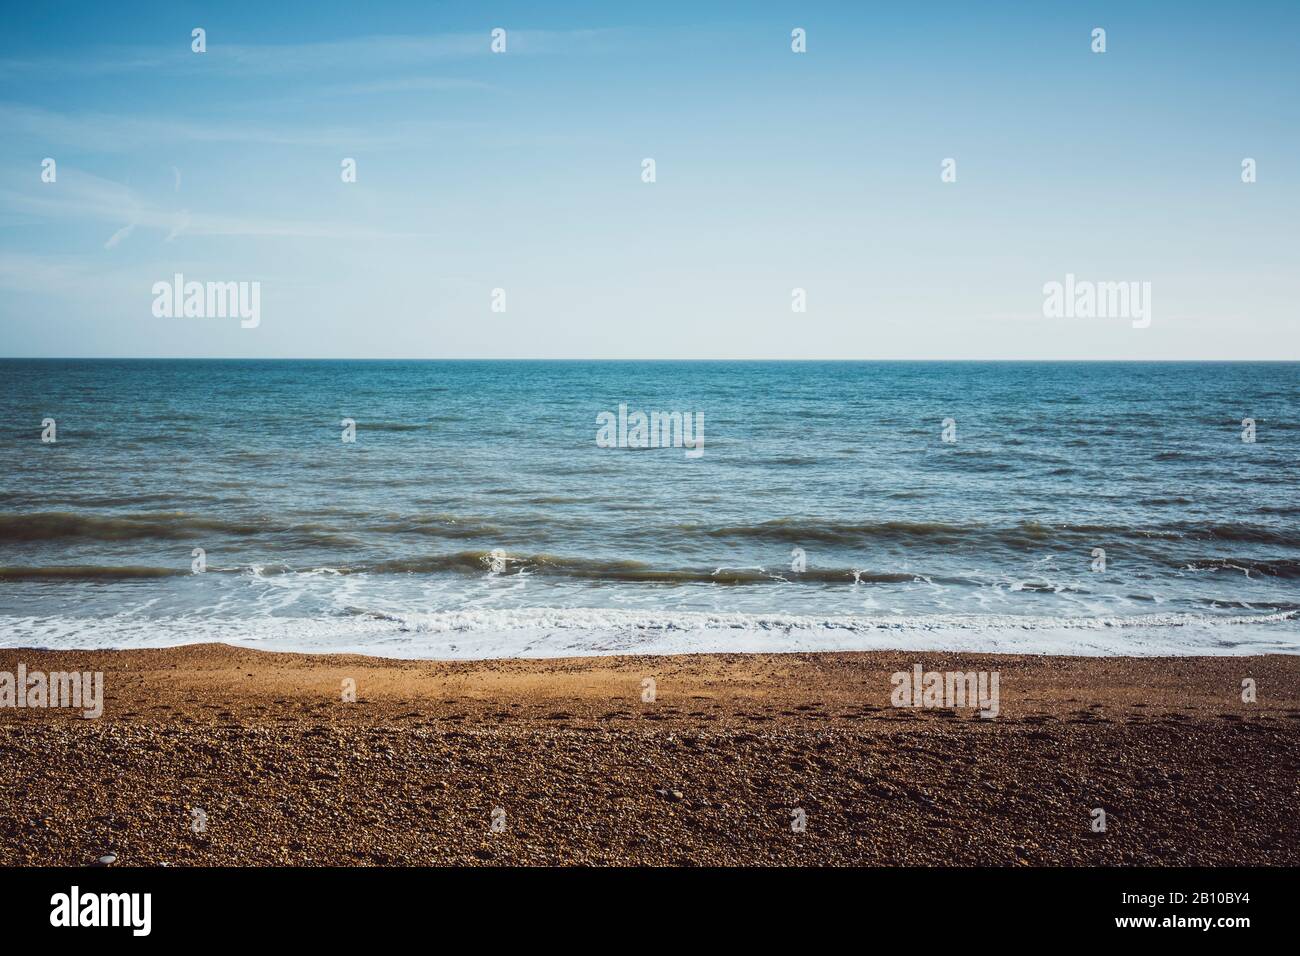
(587, 797)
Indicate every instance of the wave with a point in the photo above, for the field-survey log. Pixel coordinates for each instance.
(1025, 533)
(479, 563)
(40, 497)
(1288, 568)
(627, 570)
(55, 525)
(586, 632)
(1253, 534)
(436, 526)
(84, 572)
(68, 525)
(587, 618)
(173, 525)
(499, 563)
(393, 426)
(786, 531)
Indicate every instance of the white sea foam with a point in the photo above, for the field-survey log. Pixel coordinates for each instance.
(538, 632)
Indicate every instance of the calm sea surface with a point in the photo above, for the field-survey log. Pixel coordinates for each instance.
(475, 514)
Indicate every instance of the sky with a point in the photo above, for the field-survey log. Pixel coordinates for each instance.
(774, 171)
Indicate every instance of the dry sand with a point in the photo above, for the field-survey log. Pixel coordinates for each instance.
(262, 748)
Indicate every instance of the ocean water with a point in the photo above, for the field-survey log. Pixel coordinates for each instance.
(476, 515)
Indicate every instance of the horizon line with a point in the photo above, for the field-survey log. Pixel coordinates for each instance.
(824, 361)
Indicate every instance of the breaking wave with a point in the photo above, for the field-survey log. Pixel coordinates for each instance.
(576, 632)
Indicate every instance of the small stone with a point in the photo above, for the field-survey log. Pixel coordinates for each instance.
(108, 859)
(675, 795)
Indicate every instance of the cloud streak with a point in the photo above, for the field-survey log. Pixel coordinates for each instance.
(110, 133)
(82, 196)
(383, 52)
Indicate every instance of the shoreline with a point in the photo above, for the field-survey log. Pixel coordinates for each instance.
(262, 747)
(565, 633)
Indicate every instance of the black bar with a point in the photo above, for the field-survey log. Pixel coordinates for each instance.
(331, 904)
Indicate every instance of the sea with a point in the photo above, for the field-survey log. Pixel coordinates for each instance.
(474, 509)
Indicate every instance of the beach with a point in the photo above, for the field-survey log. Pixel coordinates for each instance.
(211, 755)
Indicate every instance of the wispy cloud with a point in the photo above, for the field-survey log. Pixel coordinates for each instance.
(118, 236)
(107, 132)
(81, 194)
(179, 225)
(386, 52)
(20, 272)
(408, 84)
(85, 197)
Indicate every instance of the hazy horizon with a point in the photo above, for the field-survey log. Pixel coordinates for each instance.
(646, 361)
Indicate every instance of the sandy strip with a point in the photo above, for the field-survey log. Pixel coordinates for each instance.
(209, 754)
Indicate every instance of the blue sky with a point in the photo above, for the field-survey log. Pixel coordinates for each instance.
(775, 170)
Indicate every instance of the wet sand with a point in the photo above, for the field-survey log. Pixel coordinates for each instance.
(209, 754)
